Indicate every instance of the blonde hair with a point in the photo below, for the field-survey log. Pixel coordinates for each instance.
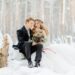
(42, 26)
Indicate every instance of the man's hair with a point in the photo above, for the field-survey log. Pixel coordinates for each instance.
(29, 19)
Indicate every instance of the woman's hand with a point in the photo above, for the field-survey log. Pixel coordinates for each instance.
(36, 43)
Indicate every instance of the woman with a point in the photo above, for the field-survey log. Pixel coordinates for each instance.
(40, 25)
(37, 39)
(41, 29)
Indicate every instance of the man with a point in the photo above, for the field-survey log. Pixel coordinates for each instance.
(25, 44)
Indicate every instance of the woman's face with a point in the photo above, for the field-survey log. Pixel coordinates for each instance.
(37, 24)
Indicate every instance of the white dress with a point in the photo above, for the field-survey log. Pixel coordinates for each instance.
(13, 54)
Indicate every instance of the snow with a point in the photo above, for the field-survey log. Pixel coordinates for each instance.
(58, 59)
(1, 38)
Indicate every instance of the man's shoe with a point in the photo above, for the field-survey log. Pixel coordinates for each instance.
(30, 64)
(37, 65)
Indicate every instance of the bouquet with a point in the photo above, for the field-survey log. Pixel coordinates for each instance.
(38, 36)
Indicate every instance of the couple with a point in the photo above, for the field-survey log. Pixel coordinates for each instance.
(25, 43)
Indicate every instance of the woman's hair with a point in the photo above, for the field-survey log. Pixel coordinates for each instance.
(42, 26)
(39, 20)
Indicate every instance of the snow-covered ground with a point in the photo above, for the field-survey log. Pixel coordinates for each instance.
(58, 59)
(1, 38)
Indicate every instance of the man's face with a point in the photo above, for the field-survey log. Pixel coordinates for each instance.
(31, 24)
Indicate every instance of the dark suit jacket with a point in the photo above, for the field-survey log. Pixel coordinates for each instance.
(23, 36)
